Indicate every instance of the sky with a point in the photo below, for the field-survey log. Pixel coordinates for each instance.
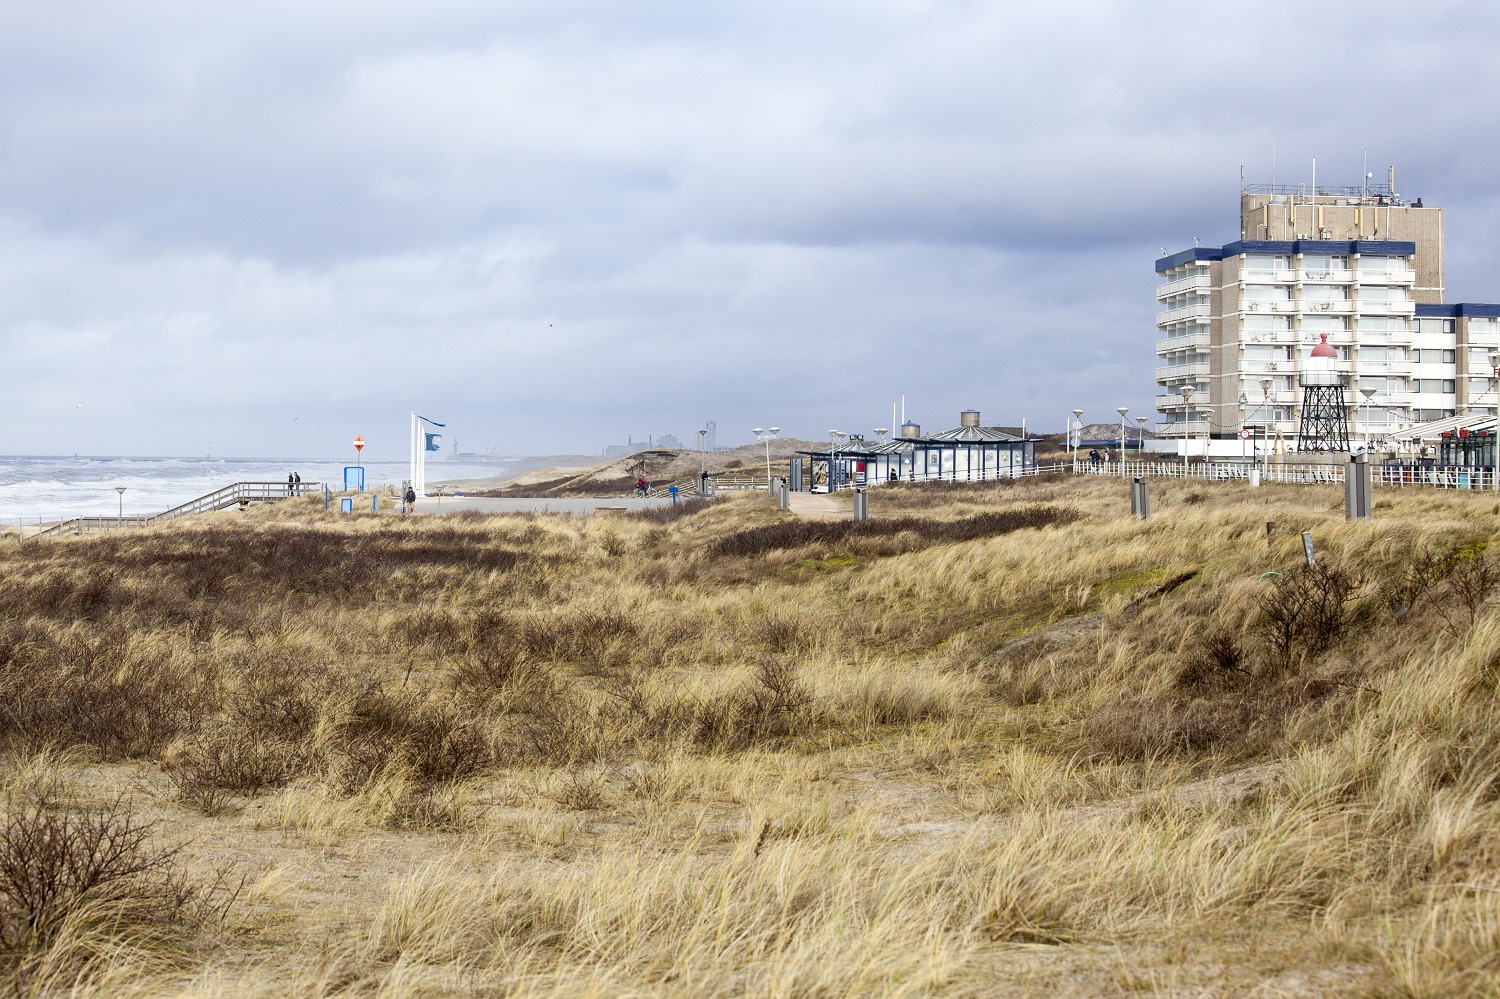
(262, 229)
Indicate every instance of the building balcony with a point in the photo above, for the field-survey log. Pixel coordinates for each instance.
(1275, 397)
(1283, 306)
(1337, 307)
(1387, 277)
(1170, 344)
(1192, 370)
(1255, 367)
(1268, 277)
(1200, 311)
(1395, 367)
(1181, 428)
(1193, 282)
(1328, 277)
(1383, 308)
(1384, 400)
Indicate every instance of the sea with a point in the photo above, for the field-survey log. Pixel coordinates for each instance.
(46, 488)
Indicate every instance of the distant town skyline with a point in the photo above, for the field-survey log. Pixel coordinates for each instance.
(258, 231)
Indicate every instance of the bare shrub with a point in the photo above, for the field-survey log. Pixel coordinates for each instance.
(1304, 612)
(204, 770)
(1472, 579)
(55, 864)
(581, 790)
(432, 742)
(1217, 662)
(1419, 575)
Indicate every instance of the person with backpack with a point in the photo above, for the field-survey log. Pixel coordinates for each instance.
(409, 501)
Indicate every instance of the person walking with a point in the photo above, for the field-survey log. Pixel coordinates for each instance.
(297, 483)
(289, 483)
(409, 501)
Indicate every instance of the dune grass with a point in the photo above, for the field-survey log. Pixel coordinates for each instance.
(1011, 743)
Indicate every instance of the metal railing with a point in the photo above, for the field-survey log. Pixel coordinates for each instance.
(1288, 470)
(240, 493)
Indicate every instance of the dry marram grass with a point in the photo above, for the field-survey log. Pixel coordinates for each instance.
(1004, 741)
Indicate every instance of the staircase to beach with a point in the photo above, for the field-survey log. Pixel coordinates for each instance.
(238, 494)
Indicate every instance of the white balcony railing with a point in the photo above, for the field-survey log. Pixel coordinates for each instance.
(1190, 428)
(1374, 307)
(1170, 344)
(1281, 305)
(1390, 367)
(1199, 311)
(1192, 370)
(1192, 282)
(1329, 277)
(1268, 277)
(1342, 306)
(1387, 277)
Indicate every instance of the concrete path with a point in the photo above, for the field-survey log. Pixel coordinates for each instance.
(558, 504)
(820, 506)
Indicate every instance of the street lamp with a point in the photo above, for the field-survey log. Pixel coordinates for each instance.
(121, 491)
(1122, 410)
(1141, 437)
(1368, 393)
(767, 436)
(1187, 423)
(1074, 441)
(1265, 426)
(702, 461)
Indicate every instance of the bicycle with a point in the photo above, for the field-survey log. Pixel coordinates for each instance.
(644, 492)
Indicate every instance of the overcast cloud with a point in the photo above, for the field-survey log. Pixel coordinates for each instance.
(260, 230)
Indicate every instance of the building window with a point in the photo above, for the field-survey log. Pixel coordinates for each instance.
(1325, 324)
(1255, 262)
(1268, 293)
(1267, 324)
(1323, 264)
(1434, 325)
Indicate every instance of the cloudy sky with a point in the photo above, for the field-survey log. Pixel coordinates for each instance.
(260, 229)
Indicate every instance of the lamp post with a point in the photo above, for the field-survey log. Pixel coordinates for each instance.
(1122, 410)
(767, 436)
(702, 460)
(833, 456)
(121, 491)
(1368, 393)
(1073, 440)
(1140, 448)
(1187, 423)
(1265, 427)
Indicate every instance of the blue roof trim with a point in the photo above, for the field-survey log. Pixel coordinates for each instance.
(1389, 247)
(1456, 309)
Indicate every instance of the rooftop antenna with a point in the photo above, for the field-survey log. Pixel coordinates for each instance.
(1368, 174)
(1273, 161)
(1315, 180)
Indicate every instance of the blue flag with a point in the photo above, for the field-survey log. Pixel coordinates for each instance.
(432, 441)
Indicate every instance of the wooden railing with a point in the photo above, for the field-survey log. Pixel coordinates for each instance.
(238, 494)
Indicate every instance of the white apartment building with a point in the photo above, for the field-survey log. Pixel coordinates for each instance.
(1236, 320)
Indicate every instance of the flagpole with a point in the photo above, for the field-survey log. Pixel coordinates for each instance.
(411, 470)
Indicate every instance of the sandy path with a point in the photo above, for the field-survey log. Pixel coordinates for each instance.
(818, 506)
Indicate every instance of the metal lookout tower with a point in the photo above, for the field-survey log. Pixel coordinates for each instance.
(1325, 418)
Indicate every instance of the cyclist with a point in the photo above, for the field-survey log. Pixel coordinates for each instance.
(640, 484)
